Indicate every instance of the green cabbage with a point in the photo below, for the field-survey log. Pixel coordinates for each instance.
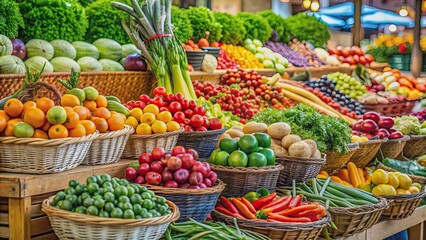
(10, 18)
(182, 25)
(256, 26)
(305, 27)
(202, 21)
(407, 125)
(233, 30)
(277, 23)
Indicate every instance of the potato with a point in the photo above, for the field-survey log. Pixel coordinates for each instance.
(312, 145)
(279, 130)
(289, 140)
(317, 154)
(299, 149)
(279, 151)
(239, 128)
(234, 133)
(276, 141)
(253, 127)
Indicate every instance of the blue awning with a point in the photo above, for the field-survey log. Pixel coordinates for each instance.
(328, 20)
(383, 17)
(346, 10)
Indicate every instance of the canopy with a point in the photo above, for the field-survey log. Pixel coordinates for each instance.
(346, 10)
(383, 17)
(330, 21)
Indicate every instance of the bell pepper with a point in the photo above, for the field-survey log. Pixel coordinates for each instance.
(263, 192)
(408, 167)
(252, 196)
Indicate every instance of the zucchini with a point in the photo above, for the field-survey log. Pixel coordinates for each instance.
(355, 193)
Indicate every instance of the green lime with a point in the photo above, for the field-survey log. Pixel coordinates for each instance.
(259, 149)
(228, 145)
(92, 210)
(109, 196)
(137, 208)
(91, 179)
(162, 209)
(116, 213)
(70, 191)
(66, 205)
(142, 189)
(106, 177)
(85, 195)
(151, 193)
(108, 189)
(135, 198)
(134, 165)
(107, 184)
(99, 203)
(120, 191)
(263, 139)
(104, 214)
(248, 143)
(120, 205)
(270, 156)
(59, 205)
(135, 188)
(147, 215)
(99, 180)
(92, 188)
(124, 199)
(238, 159)
(100, 191)
(109, 206)
(146, 195)
(72, 199)
(212, 156)
(221, 158)
(127, 205)
(138, 217)
(73, 183)
(61, 195)
(148, 204)
(161, 200)
(257, 160)
(88, 202)
(124, 182)
(130, 191)
(154, 213)
(79, 201)
(80, 209)
(128, 214)
(79, 189)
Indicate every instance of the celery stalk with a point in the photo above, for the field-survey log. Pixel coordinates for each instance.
(178, 82)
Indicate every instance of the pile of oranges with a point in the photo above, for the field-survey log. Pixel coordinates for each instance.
(151, 121)
(42, 119)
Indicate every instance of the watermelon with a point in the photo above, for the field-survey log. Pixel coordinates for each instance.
(6, 47)
(108, 49)
(89, 64)
(64, 64)
(110, 65)
(10, 64)
(85, 49)
(63, 49)
(35, 64)
(129, 49)
(38, 47)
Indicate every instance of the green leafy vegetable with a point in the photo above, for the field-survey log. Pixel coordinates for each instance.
(277, 23)
(86, 3)
(233, 30)
(407, 125)
(182, 25)
(202, 21)
(256, 26)
(10, 18)
(309, 28)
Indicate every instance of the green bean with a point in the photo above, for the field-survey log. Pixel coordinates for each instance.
(324, 187)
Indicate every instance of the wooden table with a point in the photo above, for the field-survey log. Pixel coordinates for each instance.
(21, 195)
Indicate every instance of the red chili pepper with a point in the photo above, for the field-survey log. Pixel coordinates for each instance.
(320, 210)
(228, 205)
(229, 213)
(259, 203)
(295, 210)
(295, 201)
(243, 209)
(276, 201)
(314, 218)
(287, 219)
(249, 205)
(218, 204)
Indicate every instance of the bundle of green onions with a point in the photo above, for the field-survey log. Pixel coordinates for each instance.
(150, 29)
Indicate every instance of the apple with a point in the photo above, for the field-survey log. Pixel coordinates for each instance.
(184, 185)
(367, 135)
(134, 62)
(207, 182)
(187, 160)
(167, 175)
(358, 126)
(165, 158)
(145, 158)
(392, 130)
(345, 52)
(56, 115)
(143, 169)
(178, 150)
(157, 167)
(369, 126)
(355, 133)
(139, 180)
(213, 177)
(382, 133)
(371, 115)
(195, 178)
(396, 134)
(207, 166)
(386, 122)
(174, 163)
(202, 185)
(193, 152)
(153, 178)
(171, 184)
(199, 167)
(131, 174)
(158, 153)
(181, 175)
(193, 187)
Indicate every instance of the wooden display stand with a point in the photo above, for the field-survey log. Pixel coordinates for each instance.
(21, 195)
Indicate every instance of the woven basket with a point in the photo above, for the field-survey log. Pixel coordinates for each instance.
(192, 203)
(213, 78)
(277, 230)
(355, 219)
(241, 180)
(299, 169)
(203, 142)
(138, 144)
(391, 109)
(125, 85)
(40, 156)
(69, 225)
(391, 148)
(335, 160)
(419, 179)
(415, 147)
(108, 147)
(366, 152)
(402, 206)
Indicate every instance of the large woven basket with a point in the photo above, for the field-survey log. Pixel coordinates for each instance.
(335, 160)
(241, 180)
(203, 142)
(125, 85)
(138, 144)
(299, 169)
(415, 178)
(355, 219)
(108, 147)
(192, 203)
(391, 148)
(277, 230)
(402, 206)
(391, 109)
(40, 156)
(69, 225)
(366, 152)
(415, 147)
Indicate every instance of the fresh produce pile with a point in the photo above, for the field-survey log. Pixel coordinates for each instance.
(305, 50)
(413, 167)
(241, 56)
(373, 125)
(215, 111)
(178, 169)
(202, 43)
(351, 55)
(392, 183)
(293, 57)
(347, 84)
(351, 176)
(266, 56)
(225, 62)
(108, 197)
(410, 125)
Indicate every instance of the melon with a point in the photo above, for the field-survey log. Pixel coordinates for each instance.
(89, 64)
(35, 64)
(108, 49)
(38, 47)
(10, 64)
(64, 64)
(110, 65)
(63, 49)
(85, 49)
(129, 49)
(6, 47)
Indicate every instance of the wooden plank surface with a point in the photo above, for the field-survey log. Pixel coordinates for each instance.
(19, 218)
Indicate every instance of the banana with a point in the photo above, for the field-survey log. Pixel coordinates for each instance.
(117, 107)
(113, 98)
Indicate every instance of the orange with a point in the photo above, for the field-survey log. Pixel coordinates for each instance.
(89, 126)
(151, 108)
(165, 116)
(46, 126)
(35, 117)
(131, 121)
(102, 112)
(40, 134)
(58, 131)
(13, 107)
(4, 114)
(8, 131)
(159, 127)
(172, 126)
(68, 100)
(147, 118)
(115, 122)
(91, 105)
(78, 131)
(73, 119)
(68, 109)
(89, 114)
(101, 101)
(45, 104)
(101, 124)
(81, 111)
(3, 123)
(28, 105)
(143, 129)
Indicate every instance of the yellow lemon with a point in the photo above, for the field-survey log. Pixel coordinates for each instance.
(413, 190)
(404, 181)
(356, 138)
(159, 127)
(143, 129)
(132, 122)
(393, 180)
(172, 126)
(401, 191)
(366, 187)
(136, 113)
(384, 190)
(364, 139)
(417, 185)
(151, 108)
(165, 116)
(380, 176)
(148, 118)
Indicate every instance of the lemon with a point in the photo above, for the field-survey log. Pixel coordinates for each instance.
(364, 139)
(401, 191)
(143, 129)
(417, 185)
(393, 180)
(380, 176)
(384, 190)
(136, 113)
(413, 190)
(405, 181)
(148, 118)
(356, 139)
(151, 108)
(159, 127)
(366, 187)
(172, 126)
(165, 116)
(132, 121)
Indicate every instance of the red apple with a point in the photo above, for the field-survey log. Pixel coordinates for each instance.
(199, 167)
(171, 184)
(139, 180)
(158, 153)
(371, 115)
(174, 163)
(187, 160)
(193, 152)
(396, 134)
(213, 177)
(145, 158)
(184, 185)
(369, 126)
(167, 175)
(181, 175)
(193, 187)
(153, 178)
(355, 133)
(195, 178)
(202, 185)
(358, 126)
(131, 174)
(165, 158)
(382, 133)
(386, 122)
(207, 166)
(178, 150)
(207, 182)
(143, 169)
(157, 167)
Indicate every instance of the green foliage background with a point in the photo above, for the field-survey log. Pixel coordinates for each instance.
(182, 25)
(202, 21)
(305, 27)
(233, 31)
(277, 23)
(256, 26)
(10, 18)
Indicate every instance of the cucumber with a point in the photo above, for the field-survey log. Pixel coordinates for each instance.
(355, 193)
(113, 98)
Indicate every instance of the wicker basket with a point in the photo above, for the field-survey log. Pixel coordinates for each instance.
(355, 219)
(415, 147)
(366, 152)
(203, 142)
(213, 77)
(241, 180)
(40, 156)
(299, 169)
(402, 206)
(391, 148)
(108, 147)
(138, 144)
(391, 109)
(419, 179)
(335, 160)
(125, 85)
(277, 230)
(192, 203)
(69, 225)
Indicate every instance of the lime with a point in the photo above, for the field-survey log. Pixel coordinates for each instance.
(60, 195)
(263, 139)
(109, 196)
(92, 188)
(59, 205)
(257, 160)
(99, 203)
(147, 215)
(130, 191)
(127, 205)
(70, 190)
(135, 188)
(104, 214)
(135, 198)
(238, 159)
(221, 158)
(142, 188)
(137, 208)
(148, 204)
(228, 145)
(107, 184)
(128, 214)
(138, 217)
(106, 177)
(72, 199)
(66, 205)
(92, 210)
(146, 195)
(120, 191)
(212, 156)
(79, 189)
(85, 195)
(162, 209)
(109, 206)
(151, 193)
(120, 205)
(73, 183)
(116, 213)
(91, 179)
(79, 201)
(154, 213)
(259, 149)
(161, 200)
(248, 143)
(88, 202)
(124, 199)
(100, 191)
(108, 189)
(270, 156)
(98, 180)
(80, 209)
(124, 182)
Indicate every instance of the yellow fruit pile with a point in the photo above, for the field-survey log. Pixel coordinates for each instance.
(356, 138)
(351, 176)
(151, 121)
(393, 183)
(393, 40)
(242, 56)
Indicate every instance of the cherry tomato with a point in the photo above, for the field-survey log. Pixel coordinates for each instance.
(157, 100)
(175, 107)
(169, 98)
(160, 91)
(201, 129)
(179, 96)
(192, 104)
(188, 128)
(196, 120)
(179, 117)
(144, 98)
(188, 113)
(163, 109)
(206, 122)
(215, 123)
(140, 104)
(200, 110)
(184, 103)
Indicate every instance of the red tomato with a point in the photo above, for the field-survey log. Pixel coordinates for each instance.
(140, 104)
(206, 122)
(179, 96)
(153, 178)
(201, 129)
(200, 110)
(188, 128)
(192, 104)
(369, 58)
(188, 113)
(144, 98)
(196, 120)
(184, 103)
(175, 107)
(160, 91)
(169, 98)
(179, 117)
(157, 100)
(174, 163)
(215, 123)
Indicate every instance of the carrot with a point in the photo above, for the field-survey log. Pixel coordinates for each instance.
(275, 202)
(228, 205)
(344, 175)
(280, 218)
(353, 174)
(243, 209)
(248, 205)
(295, 210)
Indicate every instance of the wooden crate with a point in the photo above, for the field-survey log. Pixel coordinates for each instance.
(21, 195)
